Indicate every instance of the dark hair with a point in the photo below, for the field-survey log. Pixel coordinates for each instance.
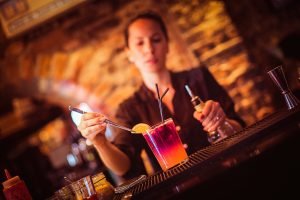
(146, 15)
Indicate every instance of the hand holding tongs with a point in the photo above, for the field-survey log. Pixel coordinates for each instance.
(106, 120)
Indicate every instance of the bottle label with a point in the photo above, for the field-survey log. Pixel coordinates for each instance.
(199, 108)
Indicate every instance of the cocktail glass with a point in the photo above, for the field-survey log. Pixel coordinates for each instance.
(166, 144)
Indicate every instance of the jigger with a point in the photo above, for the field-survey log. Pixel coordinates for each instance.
(278, 77)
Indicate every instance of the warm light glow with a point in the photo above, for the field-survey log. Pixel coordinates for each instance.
(77, 116)
(71, 160)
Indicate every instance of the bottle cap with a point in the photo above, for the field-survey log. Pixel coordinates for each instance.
(10, 180)
(7, 174)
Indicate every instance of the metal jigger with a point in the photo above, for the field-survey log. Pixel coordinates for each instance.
(278, 77)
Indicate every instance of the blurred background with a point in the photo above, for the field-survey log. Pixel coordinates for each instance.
(56, 53)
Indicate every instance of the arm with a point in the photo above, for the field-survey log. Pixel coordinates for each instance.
(92, 127)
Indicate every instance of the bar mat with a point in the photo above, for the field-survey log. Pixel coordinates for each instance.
(127, 185)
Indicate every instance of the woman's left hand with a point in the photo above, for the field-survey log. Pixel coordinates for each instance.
(211, 116)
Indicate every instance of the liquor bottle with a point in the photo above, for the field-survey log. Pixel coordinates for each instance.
(14, 188)
(222, 131)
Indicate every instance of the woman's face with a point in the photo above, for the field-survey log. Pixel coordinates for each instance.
(147, 45)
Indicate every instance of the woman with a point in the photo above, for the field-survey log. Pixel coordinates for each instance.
(147, 47)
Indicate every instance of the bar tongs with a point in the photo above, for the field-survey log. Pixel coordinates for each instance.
(71, 108)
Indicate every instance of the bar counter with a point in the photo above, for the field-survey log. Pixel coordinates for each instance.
(260, 161)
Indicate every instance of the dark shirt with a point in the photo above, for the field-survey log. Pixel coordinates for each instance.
(142, 107)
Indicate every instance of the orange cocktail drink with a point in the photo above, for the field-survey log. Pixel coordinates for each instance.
(165, 144)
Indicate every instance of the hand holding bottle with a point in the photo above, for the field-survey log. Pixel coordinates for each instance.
(212, 118)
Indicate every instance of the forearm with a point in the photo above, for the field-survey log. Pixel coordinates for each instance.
(113, 158)
(94, 128)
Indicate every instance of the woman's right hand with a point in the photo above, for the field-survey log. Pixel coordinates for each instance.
(92, 127)
(212, 116)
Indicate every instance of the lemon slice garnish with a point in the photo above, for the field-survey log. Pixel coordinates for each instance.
(140, 128)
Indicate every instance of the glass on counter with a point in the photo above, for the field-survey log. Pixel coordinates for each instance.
(64, 193)
(94, 187)
(84, 188)
(104, 190)
(166, 144)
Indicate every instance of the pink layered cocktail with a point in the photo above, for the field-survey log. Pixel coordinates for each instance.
(165, 144)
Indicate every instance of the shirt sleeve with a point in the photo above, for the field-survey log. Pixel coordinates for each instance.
(129, 143)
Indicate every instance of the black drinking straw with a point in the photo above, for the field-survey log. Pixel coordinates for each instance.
(160, 101)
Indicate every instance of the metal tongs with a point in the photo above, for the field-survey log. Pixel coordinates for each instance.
(106, 120)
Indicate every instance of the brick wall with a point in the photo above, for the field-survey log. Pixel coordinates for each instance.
(80, 56)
